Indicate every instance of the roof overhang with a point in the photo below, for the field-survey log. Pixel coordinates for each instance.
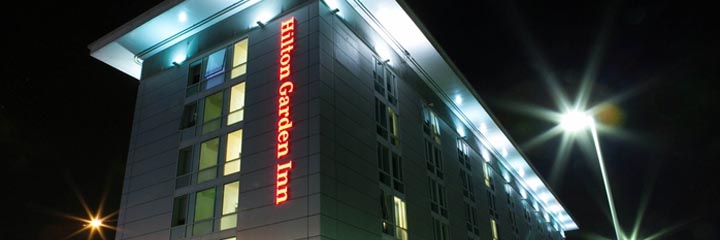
(159, 28)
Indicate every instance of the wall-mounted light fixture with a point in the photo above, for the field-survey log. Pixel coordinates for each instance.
(335, 11)
(259, 23)
(176, 64)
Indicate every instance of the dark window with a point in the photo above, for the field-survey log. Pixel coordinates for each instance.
(179, 216)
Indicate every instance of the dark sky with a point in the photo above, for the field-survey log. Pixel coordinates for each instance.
(65, 117)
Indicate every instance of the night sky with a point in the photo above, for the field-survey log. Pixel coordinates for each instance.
(65, 117)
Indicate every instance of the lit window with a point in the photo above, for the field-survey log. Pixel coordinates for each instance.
(239, 64)
(231, 191)
(400, 219)
(431, 125)
(493, 229)
(207, 167)
(237, 103)
(212, 112)
(392, 126)
(232, 152)
(214, 70)
(204, 211)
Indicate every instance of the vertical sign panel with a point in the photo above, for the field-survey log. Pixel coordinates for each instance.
(284, 123)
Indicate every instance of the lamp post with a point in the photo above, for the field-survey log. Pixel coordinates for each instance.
(574, 121)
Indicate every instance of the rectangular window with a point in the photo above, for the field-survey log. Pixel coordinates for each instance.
(207, 166)
(180, 211)
(488, 180)
(215, 69)
(438, 201)
(390, 85)
(378, 76)
(232, 152)
(239, 61)
(189, 116)
(381, 118)
(471, 219)
(493, 229)
(194, 76)
(384, 164)
(212, 112)
(467, 183)
(440, 230)
(184, 167)
(431, 125)
(434, 159)
(204, 211)
(400, 220)
(231, 192)
(237, 104)
(392, 126)
(387, 224)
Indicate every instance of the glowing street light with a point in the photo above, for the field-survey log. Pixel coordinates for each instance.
(96, 223)
(574, 121)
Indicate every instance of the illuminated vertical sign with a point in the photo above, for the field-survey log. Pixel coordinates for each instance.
(284, 122)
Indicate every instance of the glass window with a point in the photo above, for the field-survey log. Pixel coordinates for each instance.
(232, 152)
(208, 160)
(204, 211)
(400, 220)
(179, 216)
(237, 103)
(184, 167)
(239, 64)
(212, 112)
(215, 68)
(493, 229)
(231, 191)
(189, 116)
(193, 78)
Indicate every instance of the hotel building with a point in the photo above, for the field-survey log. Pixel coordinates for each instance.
(309, 119)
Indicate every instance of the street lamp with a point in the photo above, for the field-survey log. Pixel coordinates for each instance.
(574, 121)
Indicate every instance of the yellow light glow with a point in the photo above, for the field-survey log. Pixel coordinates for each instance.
(95, 223)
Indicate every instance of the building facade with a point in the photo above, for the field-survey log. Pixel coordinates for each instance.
(312, 120)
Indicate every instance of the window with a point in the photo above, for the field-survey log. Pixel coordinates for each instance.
(239, 62)
(386, 120)
(232, 152)
(184, 167)
(212, 112)
(207, 166)
(214, 70)
(463, 157)
(493, 229)
(434, 159)
(194, 76)
(431, 125)
(467, 184)
(189, 116)
(237, 104)
(385, 81)
(204, 211)
(488, 179)
(386, 221)
(440, 230)
(400, 219)
(471, 219)
(180, 207)
(231, 191)
(438, 200)
(390, 166)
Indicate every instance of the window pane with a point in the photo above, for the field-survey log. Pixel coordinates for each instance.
(179, 215)
(400, 220)
(208, 153)
(213, 107)
(232, 152)
(215, 64)
(237, 103)
(189, 116)
(231, 191)
(212, 112)
(239, 59)
(204, 204)
(184, 161)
